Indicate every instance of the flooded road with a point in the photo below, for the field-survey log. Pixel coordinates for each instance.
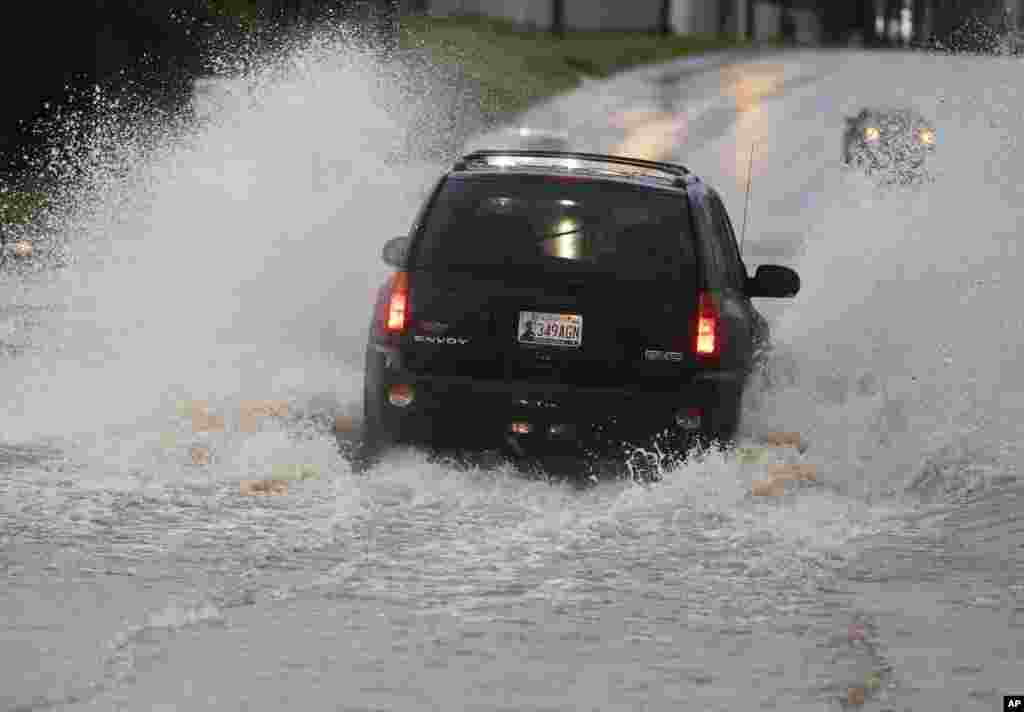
(138, 577)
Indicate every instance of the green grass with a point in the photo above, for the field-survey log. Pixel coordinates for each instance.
(17, 207)
(517, 67)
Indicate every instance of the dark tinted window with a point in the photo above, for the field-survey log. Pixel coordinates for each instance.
(557, 223)
(736, 272)
(716, 264)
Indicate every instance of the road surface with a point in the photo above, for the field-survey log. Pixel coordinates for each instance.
(241, 264)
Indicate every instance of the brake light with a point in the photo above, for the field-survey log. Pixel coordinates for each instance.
(707, 343)
(401, 395)
(396, 309)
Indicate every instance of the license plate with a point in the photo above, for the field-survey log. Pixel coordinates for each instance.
(546, 329)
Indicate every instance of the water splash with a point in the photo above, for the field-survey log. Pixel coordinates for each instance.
(226, 255)
(896, 353)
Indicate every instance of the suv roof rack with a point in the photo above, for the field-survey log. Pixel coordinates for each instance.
(616, 166)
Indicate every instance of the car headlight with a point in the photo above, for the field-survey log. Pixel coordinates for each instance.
(871, 133)
(927, 137)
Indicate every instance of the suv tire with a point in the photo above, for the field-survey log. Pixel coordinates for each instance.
(722, 421)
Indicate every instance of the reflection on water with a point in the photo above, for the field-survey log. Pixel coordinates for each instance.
(650, 134)
(749, 85)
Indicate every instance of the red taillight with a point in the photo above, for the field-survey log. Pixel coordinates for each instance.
(396, 308)
(707, 343)
(401, 395)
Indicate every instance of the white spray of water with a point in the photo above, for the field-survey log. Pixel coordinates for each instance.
(242, 264)
(236, 262)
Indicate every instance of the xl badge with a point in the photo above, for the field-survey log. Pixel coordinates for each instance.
(536, 403)
(654, 355)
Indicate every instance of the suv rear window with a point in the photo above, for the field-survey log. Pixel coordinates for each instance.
(556, 223)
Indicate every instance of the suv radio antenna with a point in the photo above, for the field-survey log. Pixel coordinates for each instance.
(746, 208)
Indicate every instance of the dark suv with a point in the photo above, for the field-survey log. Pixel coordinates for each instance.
(549, 300)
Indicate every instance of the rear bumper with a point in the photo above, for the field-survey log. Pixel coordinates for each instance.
(468, 409)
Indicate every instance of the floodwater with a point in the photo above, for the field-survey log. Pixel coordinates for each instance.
(238, 262)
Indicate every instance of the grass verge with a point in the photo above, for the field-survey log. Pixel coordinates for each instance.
(17, 208)
(515, 67)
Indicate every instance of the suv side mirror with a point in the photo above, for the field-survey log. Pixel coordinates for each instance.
(396, 251)
(773, 281)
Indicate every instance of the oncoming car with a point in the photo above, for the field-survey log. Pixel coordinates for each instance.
(549, 301)
(893, 144)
